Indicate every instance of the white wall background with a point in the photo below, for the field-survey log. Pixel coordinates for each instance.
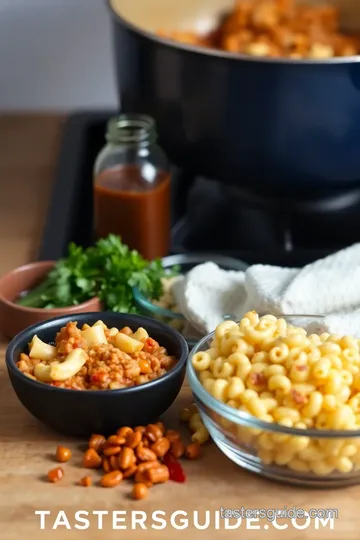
(55, 55)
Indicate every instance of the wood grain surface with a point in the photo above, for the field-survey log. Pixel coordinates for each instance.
(28, 153)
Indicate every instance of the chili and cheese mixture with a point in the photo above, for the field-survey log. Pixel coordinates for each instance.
(96, 358)
(276, 28)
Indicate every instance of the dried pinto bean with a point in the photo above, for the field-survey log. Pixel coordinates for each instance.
(85, 481)
(106, 465)
(114, 463)
(172, 435)
(177, 449)
(161, 446)
(55, 475)
(91, 459)
(153, 432)
(116, 440)
(124, 431)
(161, 427)
(111, 479)
(145, 454)
(158, 475)
(192, 451)
(142, 478)
(128, 473)
(96, 442)
(139, 491)
(133, 439)
(63, 454)
(148, 465)
(126, 458)
(112, 451)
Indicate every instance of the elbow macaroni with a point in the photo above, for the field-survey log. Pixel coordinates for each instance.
(192, 416)
(96, 358)
(277, 373)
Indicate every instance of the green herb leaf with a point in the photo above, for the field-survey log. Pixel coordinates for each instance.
(109, 269)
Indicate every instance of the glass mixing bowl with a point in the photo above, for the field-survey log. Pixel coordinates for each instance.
(185, 262)
(250, 442)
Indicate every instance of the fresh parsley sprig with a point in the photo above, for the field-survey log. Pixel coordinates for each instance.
(109, 270)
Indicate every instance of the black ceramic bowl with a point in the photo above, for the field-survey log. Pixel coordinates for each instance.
(81, 413)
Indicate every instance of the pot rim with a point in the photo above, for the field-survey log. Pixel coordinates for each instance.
(232, 57)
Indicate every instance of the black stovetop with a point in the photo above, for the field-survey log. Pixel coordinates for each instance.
(207, 216)
(260, 229)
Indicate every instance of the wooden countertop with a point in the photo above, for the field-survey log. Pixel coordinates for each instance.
(28, 153)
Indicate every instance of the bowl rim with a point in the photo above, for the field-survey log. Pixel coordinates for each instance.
(247, 419)
(59, 322)
(236, 265)
(38, 311)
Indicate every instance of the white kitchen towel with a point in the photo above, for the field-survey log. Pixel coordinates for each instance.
(207, 293)
(329, 287)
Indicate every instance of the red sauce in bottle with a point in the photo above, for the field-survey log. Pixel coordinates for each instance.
(134, 206)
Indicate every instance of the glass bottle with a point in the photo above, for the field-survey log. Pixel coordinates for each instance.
(132, 186)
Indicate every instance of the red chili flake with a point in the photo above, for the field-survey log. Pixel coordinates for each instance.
(56, 383)
(257, 379)
(301, 367)
(99, 376)
(176, 472)
(298, 398)
(151, 343)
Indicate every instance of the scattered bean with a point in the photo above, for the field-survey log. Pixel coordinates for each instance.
(91, 459)
(140, 491)
(147, 465)
(114, 463)
(112, 451)
(96, 442)
(126, 458)
(145, 454)
(111, 479)
(133, 439)
(153, 432)
(86, 481)
(158, 475)
(161, 427)
(116, 440)
(177, 449)
(124, 431)
(128, 473)
(172, 435)
(106, 465)
(142, 478)
(55, 475)
(63, 454)
(192, 451)
(161, 446)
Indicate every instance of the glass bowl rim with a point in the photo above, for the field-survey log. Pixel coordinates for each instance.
(246, 419)
(186, 258)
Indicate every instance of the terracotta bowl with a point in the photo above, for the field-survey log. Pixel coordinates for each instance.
(14, 318)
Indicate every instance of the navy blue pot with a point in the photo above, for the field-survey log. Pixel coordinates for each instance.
(250, 122)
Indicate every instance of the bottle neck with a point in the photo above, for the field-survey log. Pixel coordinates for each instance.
(137, 131)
